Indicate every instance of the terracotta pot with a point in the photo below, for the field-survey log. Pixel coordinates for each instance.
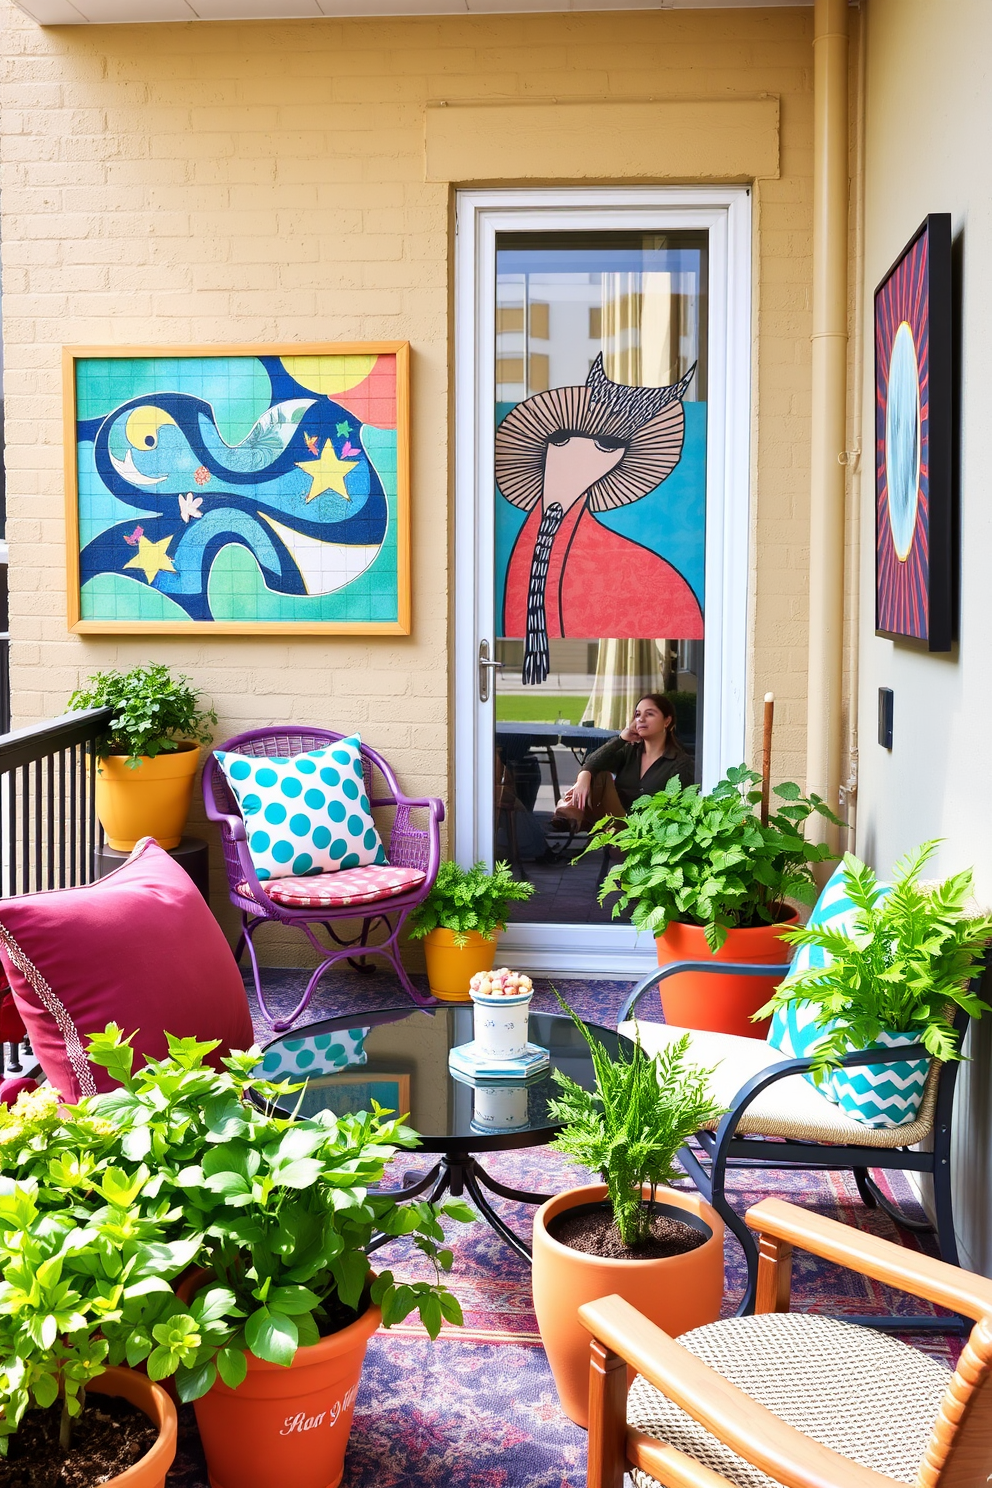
(285, 1424)
(721, 1004)
(152, 800)
(676, 1292)
(149, 1471)
(450, 968)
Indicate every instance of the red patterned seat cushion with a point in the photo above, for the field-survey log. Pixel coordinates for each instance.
(334, 890)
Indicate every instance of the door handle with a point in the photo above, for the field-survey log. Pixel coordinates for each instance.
(487, 665)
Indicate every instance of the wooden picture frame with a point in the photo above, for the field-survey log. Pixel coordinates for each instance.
(354, 1090)
(914, 515)
(296, 520)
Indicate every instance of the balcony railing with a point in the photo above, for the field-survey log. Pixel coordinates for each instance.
(49, 833)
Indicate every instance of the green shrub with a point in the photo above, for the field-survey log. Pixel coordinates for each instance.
(153, 711)
(631, 1126)
(707, 860)
(466, 899)
(904, 967)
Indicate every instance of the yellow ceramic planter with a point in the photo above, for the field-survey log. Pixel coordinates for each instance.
(151, 800)
(450, 968)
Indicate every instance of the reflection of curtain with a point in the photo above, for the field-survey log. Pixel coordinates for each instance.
(625, 671)
(639, 329)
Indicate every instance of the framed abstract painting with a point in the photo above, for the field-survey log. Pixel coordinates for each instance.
(914, 536)
(236, 490)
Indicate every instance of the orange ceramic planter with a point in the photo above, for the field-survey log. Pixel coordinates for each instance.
(287, 1424)
(721, 1004)
(450, 968)
(676, 1292)
(152, 800)
(149, 1471)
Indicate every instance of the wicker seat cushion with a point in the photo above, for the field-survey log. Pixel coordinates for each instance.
(867, 1396)
(336, 890)
(789, 1108)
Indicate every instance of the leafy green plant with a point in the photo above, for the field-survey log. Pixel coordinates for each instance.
(104, 1203)
(631, 1126)
(465, 899)
(80, 1257)
(904, 967)
(282, 1210)
(707, 860)
(153, 711)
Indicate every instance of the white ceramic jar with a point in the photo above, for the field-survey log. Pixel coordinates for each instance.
(499, 1108)
(501, 1025)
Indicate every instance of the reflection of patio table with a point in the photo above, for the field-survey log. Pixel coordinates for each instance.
(414, 1042)
(544, 736)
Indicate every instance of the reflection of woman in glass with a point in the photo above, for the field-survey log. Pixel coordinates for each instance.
(561, 456)
(640, 761)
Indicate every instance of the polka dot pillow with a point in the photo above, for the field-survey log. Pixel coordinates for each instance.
(306, 814)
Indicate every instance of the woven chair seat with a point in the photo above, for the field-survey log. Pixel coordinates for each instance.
(788, 1108)
(333, 890)
(869, 1397)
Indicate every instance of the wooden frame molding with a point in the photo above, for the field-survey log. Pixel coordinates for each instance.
(71, 355)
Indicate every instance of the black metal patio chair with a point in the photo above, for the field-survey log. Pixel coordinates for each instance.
(776, 1119)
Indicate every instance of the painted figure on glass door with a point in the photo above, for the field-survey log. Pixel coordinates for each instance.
(561, 456)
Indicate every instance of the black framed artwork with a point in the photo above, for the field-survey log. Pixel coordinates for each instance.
(914, 588)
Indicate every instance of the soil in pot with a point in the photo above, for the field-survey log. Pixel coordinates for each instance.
(592, 1229)
(109, 1437)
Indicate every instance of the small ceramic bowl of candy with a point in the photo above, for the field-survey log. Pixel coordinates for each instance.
(503, 983)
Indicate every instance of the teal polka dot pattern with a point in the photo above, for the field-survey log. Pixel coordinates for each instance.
(335, 830)
(324, 1054)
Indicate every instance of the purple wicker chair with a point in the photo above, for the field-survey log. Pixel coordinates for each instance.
(406, 846)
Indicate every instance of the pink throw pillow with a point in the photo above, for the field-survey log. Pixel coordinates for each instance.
(139, 948)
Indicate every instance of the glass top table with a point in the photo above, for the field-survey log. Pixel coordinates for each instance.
(399, 1057)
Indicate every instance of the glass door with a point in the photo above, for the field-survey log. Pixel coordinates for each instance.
(596, 546)
(599, 543)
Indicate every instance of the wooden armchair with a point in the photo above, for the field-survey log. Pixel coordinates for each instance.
(794, 1398)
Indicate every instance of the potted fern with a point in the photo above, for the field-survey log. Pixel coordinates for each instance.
(459, 921)
(631, 1235)
(710, 881)
(148, 755)
(890, 973)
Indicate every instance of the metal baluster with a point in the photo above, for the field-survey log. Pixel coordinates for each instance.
(25, 797)
(62, 819)
(74, 815)
(12, 830)
(39, 844)
(50, 831)
(91, 813)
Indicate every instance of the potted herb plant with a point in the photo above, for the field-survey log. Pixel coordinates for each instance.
(459, 921)
(82, 1246)
(268, 1337)
(661, 1251)
(708, 880)
(148, 755)
(892, 976)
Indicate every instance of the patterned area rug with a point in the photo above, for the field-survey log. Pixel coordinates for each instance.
(478, 1408)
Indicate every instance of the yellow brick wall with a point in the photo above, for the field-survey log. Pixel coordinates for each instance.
(244, 182)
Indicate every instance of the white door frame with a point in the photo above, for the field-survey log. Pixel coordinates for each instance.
(725, 211)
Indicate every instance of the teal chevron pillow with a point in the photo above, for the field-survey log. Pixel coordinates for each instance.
(305, 814)
(793, 1028)
(877, 1095)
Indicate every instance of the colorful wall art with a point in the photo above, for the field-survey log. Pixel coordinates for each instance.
(238, 490)
(913, 462)
(575, 556)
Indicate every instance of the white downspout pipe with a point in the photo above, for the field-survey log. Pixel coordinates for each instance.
(828, 441)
